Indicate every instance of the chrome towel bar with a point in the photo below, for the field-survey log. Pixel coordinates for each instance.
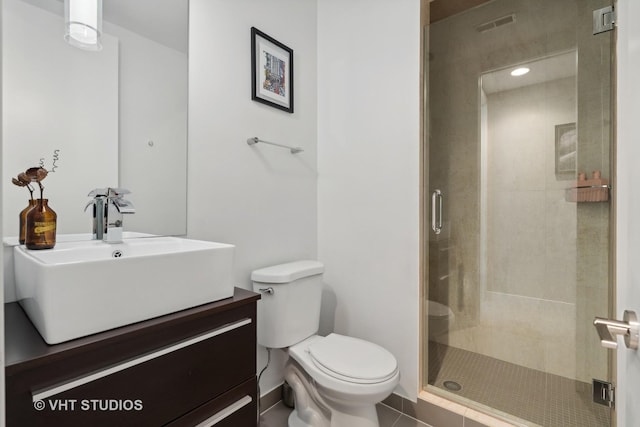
(255, 140)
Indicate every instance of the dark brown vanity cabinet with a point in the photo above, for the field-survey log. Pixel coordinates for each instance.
(194, 367)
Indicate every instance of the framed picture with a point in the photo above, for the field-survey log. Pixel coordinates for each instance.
(566, 151)
(271, 71)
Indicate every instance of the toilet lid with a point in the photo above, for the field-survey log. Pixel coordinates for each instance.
(352, 359)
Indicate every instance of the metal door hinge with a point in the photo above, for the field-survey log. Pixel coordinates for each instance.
(603, 19)
(604, 393)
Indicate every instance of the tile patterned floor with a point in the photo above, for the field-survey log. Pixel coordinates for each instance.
(277, 416)
(545, 399)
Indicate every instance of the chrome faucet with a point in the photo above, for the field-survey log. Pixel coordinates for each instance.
(109, 206)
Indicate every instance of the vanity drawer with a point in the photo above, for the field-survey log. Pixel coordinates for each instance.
(150, 389)
(236, 408)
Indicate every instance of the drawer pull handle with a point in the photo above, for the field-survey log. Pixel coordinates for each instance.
(229, 410)
(61, 388)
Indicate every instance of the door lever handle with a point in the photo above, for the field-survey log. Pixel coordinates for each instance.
(608, 330)
(436, 211)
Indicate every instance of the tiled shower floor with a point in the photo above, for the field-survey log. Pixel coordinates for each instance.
(544, 399)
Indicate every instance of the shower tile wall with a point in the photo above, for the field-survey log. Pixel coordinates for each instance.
(531, 229)
(536, 312)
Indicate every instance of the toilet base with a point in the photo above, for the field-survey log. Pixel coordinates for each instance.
(295, 421)
(312, 410)
(339, 420)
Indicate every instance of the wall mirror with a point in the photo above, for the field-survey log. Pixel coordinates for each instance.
(118, 116)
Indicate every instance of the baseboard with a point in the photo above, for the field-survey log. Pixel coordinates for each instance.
(430, 409)
(270, 398)
(437, 411)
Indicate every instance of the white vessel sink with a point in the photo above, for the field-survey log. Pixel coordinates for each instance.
(80, 288)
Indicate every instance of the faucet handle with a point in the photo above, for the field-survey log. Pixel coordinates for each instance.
(99, 192)
(117, 192)
(123, 206)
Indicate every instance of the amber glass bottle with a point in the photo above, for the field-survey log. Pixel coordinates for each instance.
(41, 226)
(23, 220)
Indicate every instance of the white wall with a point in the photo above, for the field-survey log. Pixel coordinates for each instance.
(368, 163)
(260, 198)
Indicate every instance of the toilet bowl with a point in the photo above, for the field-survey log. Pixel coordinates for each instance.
(346, 377)
(440, 317)
(337, 380)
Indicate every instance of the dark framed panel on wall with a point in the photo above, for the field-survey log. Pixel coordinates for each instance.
(271, 71)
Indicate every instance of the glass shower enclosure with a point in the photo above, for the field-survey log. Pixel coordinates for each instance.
(518, 122)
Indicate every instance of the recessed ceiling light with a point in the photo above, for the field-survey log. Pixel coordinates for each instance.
(520, 71)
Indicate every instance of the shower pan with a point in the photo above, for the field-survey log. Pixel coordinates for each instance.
(519, 140)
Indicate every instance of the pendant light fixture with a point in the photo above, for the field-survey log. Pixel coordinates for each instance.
(83, 23)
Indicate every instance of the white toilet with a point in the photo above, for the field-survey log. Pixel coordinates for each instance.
(440, 319)
(337, 380)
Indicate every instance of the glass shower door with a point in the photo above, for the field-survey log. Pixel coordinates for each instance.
(519, 177)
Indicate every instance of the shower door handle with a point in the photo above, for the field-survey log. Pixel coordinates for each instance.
(436, 211)
(609, 329)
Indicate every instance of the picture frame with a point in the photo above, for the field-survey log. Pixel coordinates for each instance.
(566, 151)
(271, 71)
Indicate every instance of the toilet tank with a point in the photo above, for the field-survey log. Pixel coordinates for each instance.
(289, 310)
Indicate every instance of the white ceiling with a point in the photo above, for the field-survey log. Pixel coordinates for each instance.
(164, 21)
(541, 70)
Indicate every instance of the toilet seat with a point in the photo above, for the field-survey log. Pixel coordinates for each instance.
(353, 360)
(342, 388)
